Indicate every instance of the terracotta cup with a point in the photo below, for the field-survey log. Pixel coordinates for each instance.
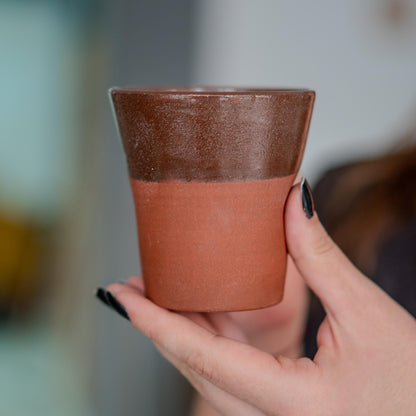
(210, 171)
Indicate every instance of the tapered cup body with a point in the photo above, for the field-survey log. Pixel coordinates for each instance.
(210, 171)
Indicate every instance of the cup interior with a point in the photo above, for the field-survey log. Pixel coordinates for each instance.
(206, 90)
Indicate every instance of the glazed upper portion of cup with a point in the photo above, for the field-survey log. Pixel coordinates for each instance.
(212, 134)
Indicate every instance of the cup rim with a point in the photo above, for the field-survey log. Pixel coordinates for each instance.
(207, 90)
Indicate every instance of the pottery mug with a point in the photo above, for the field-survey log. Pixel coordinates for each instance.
(210, 171)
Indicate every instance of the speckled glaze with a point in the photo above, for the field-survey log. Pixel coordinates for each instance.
(210, 171)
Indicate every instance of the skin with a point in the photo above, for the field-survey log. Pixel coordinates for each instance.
(366, 359)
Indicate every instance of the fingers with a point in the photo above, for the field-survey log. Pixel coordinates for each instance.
(225, 326)
(225, 403)
(326, 269)
(239, 369)
(200, 320)
(136, 282)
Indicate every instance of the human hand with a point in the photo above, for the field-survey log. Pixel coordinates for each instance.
(366, 359)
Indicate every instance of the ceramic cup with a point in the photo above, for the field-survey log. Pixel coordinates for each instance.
(210, 171)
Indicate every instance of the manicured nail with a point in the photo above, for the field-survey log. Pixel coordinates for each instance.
(307, 199)
(102, 295)
(118, 307)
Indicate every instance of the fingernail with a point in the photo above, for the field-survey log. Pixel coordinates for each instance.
(118, 307)
(100, 293)
(307, 199)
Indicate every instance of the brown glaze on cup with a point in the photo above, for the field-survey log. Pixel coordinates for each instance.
(210, 171)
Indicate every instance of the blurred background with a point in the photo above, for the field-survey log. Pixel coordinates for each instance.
(66, 214)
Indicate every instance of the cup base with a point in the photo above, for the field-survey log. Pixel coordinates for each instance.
(226, 307)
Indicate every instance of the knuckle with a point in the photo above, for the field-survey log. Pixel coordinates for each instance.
(305, 363)
(198, 362)
(285, 363)
(150, 331)
(323, 245)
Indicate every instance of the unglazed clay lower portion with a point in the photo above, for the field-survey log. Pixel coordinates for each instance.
(212, 246)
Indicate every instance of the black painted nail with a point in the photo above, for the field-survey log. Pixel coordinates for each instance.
(118, 307)
(307, 199)
(102, 295)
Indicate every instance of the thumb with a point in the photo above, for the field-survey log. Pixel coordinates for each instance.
(325, 268)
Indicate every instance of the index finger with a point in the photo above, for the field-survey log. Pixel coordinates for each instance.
(241, 370)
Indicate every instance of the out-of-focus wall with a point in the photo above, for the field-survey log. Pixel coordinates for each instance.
(39, 66)
(360, 57)
(62, 166)
(45, 48)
